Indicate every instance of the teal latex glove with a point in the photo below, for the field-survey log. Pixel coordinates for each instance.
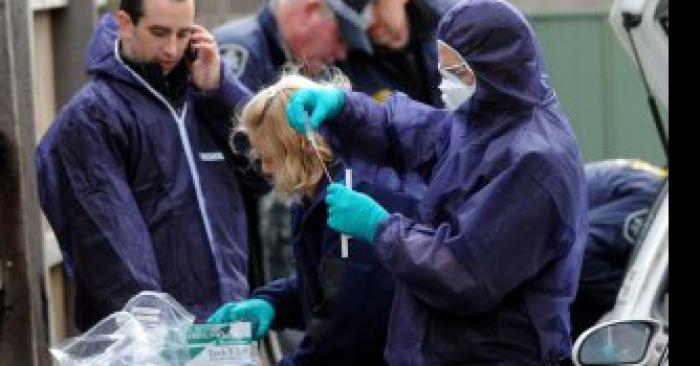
(353, 213)
(321, 104)
(258, 311)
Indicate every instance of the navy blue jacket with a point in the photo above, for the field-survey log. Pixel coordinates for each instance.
(488, 268)
(253, 47)
(620, 195)
(343, 305)
(142, 196)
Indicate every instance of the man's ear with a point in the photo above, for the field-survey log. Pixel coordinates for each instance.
(126, 26)
(313, 9)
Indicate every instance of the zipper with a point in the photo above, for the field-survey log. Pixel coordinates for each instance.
(184, 139)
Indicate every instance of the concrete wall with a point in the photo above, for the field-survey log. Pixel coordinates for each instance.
(562, 6)
(598, 86)
(44, 84)
(213, 12)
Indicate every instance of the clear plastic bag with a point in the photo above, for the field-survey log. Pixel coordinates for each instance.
(106, 343)
(153, 330)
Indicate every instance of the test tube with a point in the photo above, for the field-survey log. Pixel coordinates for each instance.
(344, 238)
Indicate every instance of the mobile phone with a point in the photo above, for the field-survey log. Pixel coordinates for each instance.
(190, 53)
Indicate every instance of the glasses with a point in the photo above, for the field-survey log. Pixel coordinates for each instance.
(458, 70)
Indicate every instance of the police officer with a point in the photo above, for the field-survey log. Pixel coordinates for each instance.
(403, 56)
(304, 31)
(620, 194)
(382, 45)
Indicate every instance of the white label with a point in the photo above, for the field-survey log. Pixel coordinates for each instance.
(211, 156)
(220, 355)
(241, 330)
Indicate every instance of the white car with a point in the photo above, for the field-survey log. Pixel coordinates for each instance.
(635, 331)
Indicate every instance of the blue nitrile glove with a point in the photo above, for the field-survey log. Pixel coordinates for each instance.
(353, 213)
(321, 104)
(259, 311)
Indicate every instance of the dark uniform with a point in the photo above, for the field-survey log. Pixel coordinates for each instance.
(620, 194)
(253, 47)
(412, 70)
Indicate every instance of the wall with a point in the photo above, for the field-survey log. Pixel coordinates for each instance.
(213, 12)
(599, 86)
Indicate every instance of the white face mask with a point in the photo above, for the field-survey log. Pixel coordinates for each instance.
(454, 91)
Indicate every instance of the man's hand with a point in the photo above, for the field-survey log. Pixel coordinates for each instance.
(206, 69)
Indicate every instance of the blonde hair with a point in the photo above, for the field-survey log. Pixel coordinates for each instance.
(298, 168)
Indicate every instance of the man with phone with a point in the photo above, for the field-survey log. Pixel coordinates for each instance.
(135, 176)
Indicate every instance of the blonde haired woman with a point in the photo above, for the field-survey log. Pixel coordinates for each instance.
(325, 297)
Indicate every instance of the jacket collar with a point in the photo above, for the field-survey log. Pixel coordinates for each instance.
(279, 53)
(172, 86)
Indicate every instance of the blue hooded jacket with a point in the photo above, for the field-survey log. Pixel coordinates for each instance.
(144, 197)
(488, 268)
(342, 304)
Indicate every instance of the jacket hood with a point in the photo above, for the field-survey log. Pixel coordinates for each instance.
(101, 57)
(434, 7)
(499, 45)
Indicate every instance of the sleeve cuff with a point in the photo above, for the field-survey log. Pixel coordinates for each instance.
(231, 93)
(385, 240)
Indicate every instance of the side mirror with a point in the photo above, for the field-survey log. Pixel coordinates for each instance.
(621, 342)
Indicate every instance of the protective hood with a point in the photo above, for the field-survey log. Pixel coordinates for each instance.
(500, 47)
(100, 57)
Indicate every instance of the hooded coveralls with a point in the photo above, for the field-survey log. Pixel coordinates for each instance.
(142, 196)
(487, 269)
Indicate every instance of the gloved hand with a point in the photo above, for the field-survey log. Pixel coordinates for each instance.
(353, 213)
(321, 104)
(259, 311)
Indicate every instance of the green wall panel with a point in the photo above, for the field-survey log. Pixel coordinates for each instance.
(598, 86)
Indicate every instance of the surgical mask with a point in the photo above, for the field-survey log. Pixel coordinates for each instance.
(454, 91)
